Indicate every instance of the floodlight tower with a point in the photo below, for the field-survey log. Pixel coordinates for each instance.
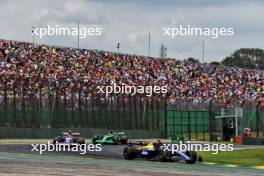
(163, 51)
(203, 51)
(78, 41)
(118, 47)
(33, 36)
(149, 44)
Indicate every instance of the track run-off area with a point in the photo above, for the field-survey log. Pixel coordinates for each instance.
(18, 159)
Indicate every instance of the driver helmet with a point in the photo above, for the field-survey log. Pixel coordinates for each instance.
(157, 143)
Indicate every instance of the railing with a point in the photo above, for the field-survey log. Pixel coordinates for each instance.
(56, 108)
(59, 109)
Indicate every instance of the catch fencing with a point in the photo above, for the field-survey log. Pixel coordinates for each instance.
(77, 110)
(57, 108)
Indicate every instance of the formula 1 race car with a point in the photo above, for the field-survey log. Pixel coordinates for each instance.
(69, 138)
(155, 152)
(111, 138)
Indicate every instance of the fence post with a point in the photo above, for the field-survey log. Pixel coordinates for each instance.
(112, 116)
(261, 106)
(23, 107)
(141, 126)
(124, 118)
(14, 105)
(72, 112)
(40, 108)
(158, 113)
(80, 124)
(173, 133)
(5, 105)
(189, 126)
(165, 119)
(50, 107)
(181, 123)
(117, 116)
(203, 116)
(93, 118)
(33, 108)
(130, 114)
(196, 125)
(56, 108)
(85, 110)
(211, 116)
(147, 113)
(98, 104)
(135, 110)
(152, 114)
(257, 116)
(106, 108)
(65, 109)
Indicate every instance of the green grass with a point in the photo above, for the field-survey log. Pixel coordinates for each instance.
(243, 157)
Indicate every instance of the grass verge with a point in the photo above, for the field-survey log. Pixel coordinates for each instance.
(243, 157)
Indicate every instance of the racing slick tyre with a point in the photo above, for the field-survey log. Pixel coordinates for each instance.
(161, 156)
(123, 139)
(116, 139)
(55, 140)
(200, 159)
(96, 137)
(130, 153)
(192, 155)
(81, 140)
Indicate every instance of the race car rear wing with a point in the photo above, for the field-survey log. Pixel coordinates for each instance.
(137, 143)
(72, 134)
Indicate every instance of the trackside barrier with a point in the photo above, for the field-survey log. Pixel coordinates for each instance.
(58, 109)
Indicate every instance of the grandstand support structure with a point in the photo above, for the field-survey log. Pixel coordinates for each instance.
(237, 114)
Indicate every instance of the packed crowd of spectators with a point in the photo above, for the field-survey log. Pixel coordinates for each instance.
(27, 69)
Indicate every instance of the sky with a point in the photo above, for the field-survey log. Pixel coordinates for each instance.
(129, 22)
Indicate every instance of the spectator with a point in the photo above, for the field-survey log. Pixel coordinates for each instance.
(27, 69)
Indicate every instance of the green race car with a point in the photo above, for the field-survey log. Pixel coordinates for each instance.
(111, 138)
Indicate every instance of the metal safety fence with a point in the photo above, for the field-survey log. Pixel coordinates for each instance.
(197, 120)
(59, 108)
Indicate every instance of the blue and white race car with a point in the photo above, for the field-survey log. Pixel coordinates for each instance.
(155, 152)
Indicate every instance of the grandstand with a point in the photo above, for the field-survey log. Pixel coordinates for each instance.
(54, 87)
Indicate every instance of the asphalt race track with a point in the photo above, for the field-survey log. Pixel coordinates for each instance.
(108, 151)
(109, 161)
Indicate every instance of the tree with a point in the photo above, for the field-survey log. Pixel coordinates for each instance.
(215, 63)
(252, 58)
(192, 60)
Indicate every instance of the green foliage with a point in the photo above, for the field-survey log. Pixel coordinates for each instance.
(243, 157)
(192, 60)
(215, 63)
(252, 58)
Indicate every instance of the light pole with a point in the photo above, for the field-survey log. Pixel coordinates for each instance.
(203, 52)
(78, 26)
(118, 47)
(33, 36)
(149, 44)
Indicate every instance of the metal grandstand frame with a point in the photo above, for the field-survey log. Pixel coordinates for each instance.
(236, 114)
